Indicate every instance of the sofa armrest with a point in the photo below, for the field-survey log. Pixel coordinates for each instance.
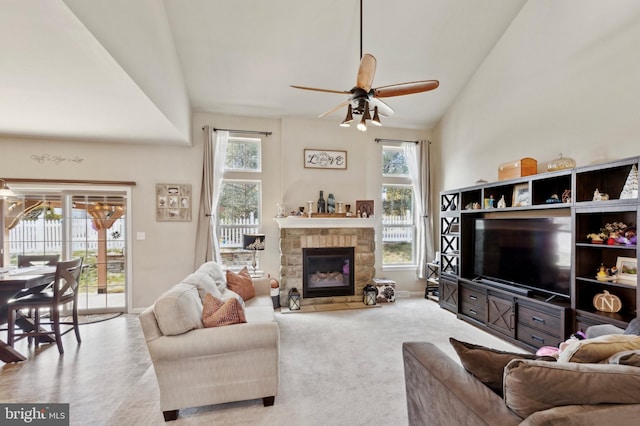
(262, 286)
(216, 340)
(441, 392)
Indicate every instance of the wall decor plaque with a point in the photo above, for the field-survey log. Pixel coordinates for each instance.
(323, 159)
(173, 202)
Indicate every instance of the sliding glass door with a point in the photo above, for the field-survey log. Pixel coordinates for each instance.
(74, 223)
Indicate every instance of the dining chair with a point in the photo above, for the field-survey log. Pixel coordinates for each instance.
(64, 291)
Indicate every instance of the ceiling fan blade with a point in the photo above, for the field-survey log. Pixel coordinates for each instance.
(342, 92)
(383, 109)
(405, 88)
(366, 72)
(344, 104)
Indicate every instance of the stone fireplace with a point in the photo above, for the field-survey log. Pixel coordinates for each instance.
(332, 235)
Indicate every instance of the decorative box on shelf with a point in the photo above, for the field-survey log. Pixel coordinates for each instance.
(386, 290)
(518, 168)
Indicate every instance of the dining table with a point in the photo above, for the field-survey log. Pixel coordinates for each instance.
(12, 283)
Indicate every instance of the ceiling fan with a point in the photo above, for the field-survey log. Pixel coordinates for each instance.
(363, 99)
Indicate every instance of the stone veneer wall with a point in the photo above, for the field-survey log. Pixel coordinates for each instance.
(293, 240)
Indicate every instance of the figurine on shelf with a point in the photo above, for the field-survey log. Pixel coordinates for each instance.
(602, 273)
(502, 203)
(553, 199)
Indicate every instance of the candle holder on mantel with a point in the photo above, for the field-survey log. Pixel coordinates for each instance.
(310, 209)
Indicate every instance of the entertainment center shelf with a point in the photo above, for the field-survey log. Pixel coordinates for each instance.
(561, 209)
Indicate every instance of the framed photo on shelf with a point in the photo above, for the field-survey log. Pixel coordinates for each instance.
(627, 270)
(520, 195)
(323, 159)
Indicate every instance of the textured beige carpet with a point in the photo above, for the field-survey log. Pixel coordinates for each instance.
(336, 368)
(325, 307)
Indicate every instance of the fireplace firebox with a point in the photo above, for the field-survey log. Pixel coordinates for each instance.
(328, 272)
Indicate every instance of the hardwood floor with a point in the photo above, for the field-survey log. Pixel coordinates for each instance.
(336, 368)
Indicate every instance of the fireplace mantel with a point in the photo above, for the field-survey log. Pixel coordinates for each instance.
(326, 222)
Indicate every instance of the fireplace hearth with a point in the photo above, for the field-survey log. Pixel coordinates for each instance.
(328, 272)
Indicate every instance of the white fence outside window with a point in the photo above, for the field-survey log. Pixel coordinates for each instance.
(397, 228)
(45, 236)
(230, 232)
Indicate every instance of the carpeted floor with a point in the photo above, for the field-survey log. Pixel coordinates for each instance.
(336, 368)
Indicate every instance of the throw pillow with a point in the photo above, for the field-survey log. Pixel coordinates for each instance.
(204, 283)
(216, 313)
(531, 386)
(486, 364)
(241, 283)
(597, 349)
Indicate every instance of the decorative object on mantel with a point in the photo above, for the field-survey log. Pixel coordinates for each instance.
(561, 163)
(607, 302)
(173, 202)
(322, 207)
(364, 208)
(294, 299)
(282, 210)
(518, 168)
(630, 189)
(331, 203)
(310, 209)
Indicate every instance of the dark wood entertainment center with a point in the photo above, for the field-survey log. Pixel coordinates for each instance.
(532, 319)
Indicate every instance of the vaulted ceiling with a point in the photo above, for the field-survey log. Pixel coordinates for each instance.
(133, 71)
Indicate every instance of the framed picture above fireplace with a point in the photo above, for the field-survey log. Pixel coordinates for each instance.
(321, 159)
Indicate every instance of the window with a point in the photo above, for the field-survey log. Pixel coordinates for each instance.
(398, 216)
(240, 205)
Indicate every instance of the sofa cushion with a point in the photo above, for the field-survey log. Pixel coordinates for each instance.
(178, 310)
(241, 284)
(486, 364)
(597, 349)
(531, 386)
(625, 358)
(204, 283)
(215, 271)
(216, 313)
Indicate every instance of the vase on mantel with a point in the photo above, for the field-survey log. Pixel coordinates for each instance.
(322, 206)
(331, 204)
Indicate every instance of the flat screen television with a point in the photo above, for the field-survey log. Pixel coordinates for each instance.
(528, 253)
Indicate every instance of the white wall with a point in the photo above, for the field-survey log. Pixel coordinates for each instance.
(563, 78)
(166, 255)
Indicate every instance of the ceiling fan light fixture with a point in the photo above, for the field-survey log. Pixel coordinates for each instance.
(366, 115)
(349, 118)
(376, 118)
(362, 125)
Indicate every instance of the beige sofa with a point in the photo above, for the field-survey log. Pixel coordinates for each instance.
(198, 366)
(440, 392)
